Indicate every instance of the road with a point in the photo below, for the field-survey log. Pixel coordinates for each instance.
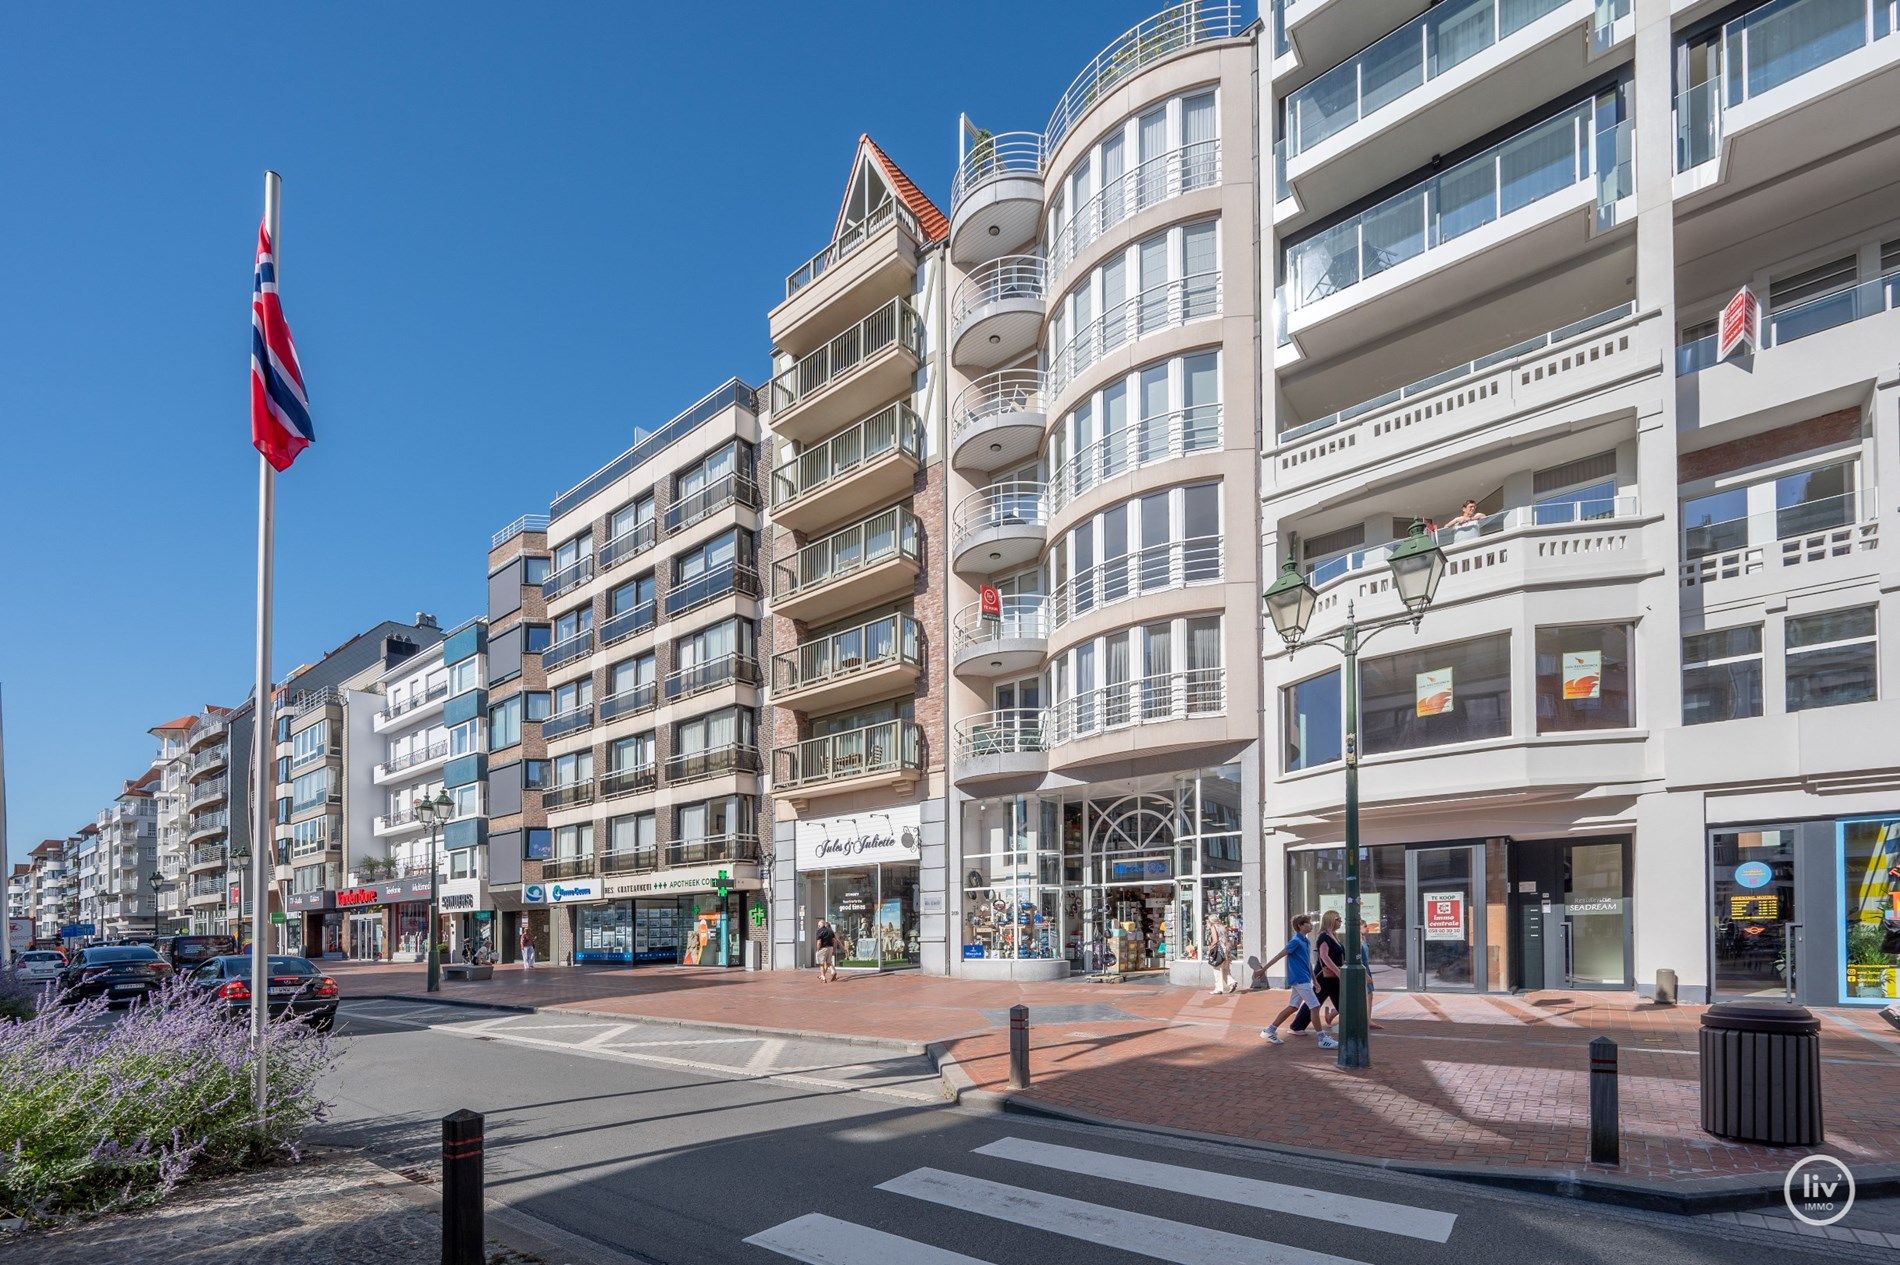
(679, 1145)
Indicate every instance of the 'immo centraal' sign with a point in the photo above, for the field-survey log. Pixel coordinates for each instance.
(884, 838)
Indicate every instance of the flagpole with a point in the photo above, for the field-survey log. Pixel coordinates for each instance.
(262, 724)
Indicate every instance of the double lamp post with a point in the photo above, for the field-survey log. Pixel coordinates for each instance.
(1417, 565)
(433, 812)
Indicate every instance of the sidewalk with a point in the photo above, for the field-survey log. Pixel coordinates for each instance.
(1481, 1084)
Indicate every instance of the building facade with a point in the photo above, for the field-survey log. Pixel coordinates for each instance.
(216, 762)
(171, 794)
(127, 862)
(514, 707)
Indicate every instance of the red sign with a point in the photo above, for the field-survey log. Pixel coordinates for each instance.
(357, 896)
(1740, 325)
(234, 894)
(990, 602)
(1444, 915)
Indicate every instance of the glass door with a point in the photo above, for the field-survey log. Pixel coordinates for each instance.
(1442, 886)
(1756, 940)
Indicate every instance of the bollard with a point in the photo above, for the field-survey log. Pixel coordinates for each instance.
(463, 1237)
(1604, 1134)
(1019, 1047)
(1665, 987)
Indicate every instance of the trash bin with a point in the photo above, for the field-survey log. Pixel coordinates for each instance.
(1761, 1073)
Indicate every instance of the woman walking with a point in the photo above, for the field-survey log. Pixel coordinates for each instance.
(1330, 958)
(1220, 956)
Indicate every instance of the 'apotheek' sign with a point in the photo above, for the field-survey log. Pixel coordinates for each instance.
(830, 843)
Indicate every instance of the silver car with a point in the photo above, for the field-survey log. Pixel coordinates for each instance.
(39, 966)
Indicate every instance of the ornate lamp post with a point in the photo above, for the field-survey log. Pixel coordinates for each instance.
(1417, 566)
(434, 812)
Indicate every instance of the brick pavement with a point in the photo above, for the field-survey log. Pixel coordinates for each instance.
(1487, 1082)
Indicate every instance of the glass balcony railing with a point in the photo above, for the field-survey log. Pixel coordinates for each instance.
(894, 324)
(1175, 29)
(879, 643)
(712, 849)
(1150, 441)
(893, 533)
(697, 678)
(629, 702)
(567, 649)
(887, 748)
(731, 577)
(571, 576)
(692, 766)
(892, 429)
(1550, 158)
(619, 627)
(697, 506)
(571, 721)
(1445, 36)
(570, 867)
(568, 794)
(629, 781)
(1829, 311)
(630, 543)
(1708, 540)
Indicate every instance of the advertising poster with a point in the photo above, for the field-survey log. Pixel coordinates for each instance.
(1583, 674)
(1444, 915)
(1369, 908)
(1434, 692)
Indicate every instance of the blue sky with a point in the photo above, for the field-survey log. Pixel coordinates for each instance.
(511, 234)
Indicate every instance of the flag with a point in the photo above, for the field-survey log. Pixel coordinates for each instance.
(280, 412)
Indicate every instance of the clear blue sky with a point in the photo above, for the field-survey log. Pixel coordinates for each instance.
(511, 234)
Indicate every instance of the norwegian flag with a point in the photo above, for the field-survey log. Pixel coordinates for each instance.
(280, 412)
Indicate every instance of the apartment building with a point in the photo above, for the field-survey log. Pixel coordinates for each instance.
(216, 762)
(514, 706)
(1641, 728)
(170, 794)
(82, 858)
(51, 894)
(326, 754)
(126, 862)
(649, 719)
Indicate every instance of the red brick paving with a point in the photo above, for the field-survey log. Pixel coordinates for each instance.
(1497, 1082)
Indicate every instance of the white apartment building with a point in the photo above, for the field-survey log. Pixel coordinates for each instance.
(206, 889)
(88, 880)
(172, 760)
(126, 861)
(51, 893)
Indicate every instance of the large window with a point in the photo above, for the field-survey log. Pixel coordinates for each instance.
(1425, 698)
(1831, 659)
(309, 790)
(1721, 675)
(574, 842)
(634, 840)
(1583, 678)
(309, 744)
(504, 723)
(730, 726)
(1159, 541)
(573, 768)
(1313, 715)
(310, 837)
(569, 552)
(573, 696)
(1870, 851)
(573, 623)
(1159, 282)
(1154, 413)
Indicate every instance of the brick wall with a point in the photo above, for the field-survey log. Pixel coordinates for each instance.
(1826, 431)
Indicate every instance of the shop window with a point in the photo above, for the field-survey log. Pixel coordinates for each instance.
(1459, 692)
(1870, 906)
(1313, 715)
(1831, 659)
(1721, 675)
(1583, 678)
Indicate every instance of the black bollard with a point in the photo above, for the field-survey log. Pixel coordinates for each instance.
(1019, 1047)
(1604, 1133)
(463, 1237)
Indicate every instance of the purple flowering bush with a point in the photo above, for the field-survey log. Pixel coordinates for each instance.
(19, 998)
(97, 1116)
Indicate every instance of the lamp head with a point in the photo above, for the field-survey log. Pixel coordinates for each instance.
(1289, 602)
(1418, 564)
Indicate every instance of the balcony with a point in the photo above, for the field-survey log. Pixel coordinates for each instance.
(568, 795)
(873, 660)
(569, 868)
(868, 260)
(211, 791)
(1167, 305)
(872, 561)
(739, 579)
(863, 466)
(395, 823)
(997, 421)
(1128, 710)
(417, 701)
(1006, 743)
(205, 894)
(631, 861)
(698, 678)
(695, 766)
(696, 507)
(630, 702)
(999, 528)
(627, 623)
(1177, 29)
(889, 755)
(572, 721)
(1148, 442)
(1816, 316)
(862, 369)
(631, 781)
(306, 701)
(568, 578)
(1014, 641)
(206, 729)
(211, 858)
(411, 761)
(567, 650)
(713, 849)
(1763, 555)
(996, 313)
(631, 543)
(208, 825)
(1166, 176)
(205, 762)
(1172, 564)
(996, 196)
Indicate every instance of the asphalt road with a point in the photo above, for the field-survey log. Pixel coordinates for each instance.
(674, 1145)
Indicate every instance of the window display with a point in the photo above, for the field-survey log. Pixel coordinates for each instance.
(604, 933)
(1870, 906)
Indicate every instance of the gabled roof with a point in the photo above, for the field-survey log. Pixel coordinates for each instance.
(48, 847)
(174, 726)
(933, 222)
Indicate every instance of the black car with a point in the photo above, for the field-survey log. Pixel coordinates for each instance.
(119, 974)
(297, 988)
(186, 952)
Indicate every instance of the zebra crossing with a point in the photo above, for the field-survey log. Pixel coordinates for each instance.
(818, 1238)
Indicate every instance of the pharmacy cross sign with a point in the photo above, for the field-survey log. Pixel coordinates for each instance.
(722, 883)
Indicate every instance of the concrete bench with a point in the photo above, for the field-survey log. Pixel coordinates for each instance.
(468, 970)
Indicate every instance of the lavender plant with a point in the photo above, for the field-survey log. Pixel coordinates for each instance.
(19, 998)
(96, 1117)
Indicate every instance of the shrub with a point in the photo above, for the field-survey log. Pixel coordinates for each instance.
(19, 998)
(97, 1117)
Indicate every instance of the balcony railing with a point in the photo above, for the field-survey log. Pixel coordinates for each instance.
(1830, 311)
(736, 488)
(205, 822)
(631, 860)
(1024, 617)
(1173, 30)
(881, 642)
(570, 868)
(569, 577)
(410, 759)
(1544, 514)
(998, 394)
(567, 649)
(691, 766)
(1159, 307)
(890, 747)
(1142, 701)
(568, 794)
(1785, 39)
(1009, 731)
(629, 781)
(210, 789)
(892, 533)
(995, 157)
(312, 756)
(1445, 36)
(697, 678)
(627, 623)
(629, 702)
(741, 578)
(416, 699)
(890, 429)
(526, 523)
(1180, 170)
(1147, 442)
(207, 856)
(571, 721)
(847, 242)
(713, 849)
(1171, 565)
(894, 324)
(997, 281)
(1829, 526)
(205, 759)
(407, 817)
(630, 543)
(1011, 503)
(307, 701)
(1537, 163)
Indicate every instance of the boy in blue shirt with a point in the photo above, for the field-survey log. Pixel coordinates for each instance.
(1299, 979)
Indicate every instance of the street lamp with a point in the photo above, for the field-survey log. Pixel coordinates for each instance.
(159, 885)
(1417, 564)
(434, 812)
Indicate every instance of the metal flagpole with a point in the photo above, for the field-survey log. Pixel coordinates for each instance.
(262, 724)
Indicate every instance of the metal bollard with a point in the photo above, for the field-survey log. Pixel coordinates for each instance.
(1019, 1047)
(463, 1236)
(1604, 1133)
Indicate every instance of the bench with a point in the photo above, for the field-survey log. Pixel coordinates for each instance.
(467, 970)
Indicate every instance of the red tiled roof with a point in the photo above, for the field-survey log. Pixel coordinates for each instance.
(932, 221)
(183, 722)
(47, 847)
(142, 780)
(90, 828)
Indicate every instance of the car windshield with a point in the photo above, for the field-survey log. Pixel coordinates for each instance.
(120, 955)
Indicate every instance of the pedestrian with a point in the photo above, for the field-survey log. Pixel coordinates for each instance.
(1299, 981)
(1220, 956)
(1330, 958)
(826, 952)
(527, 947)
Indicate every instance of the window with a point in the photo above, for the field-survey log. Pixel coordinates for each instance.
(573, 768)
(1815, 500)
(631, 517)
(309, 790)
(573, 695)
(1313, 722)
(307, 837)
(713, 818)
(637, 752)
(632, 595)
(535, 774)
(1426, 698)
(1721, 675)
(631, 674)
(574, 842)
(634, 836)
(464, 676)
(462, 863)
(537, 638)
(1577, 491)
(1716, 523)
(504, 723)
(569, 552)
(538, 704)
(1583, 678)
(537, 843)
(573, 623)
(720, 551)
(309, 744)
(306, 879)
(714, 642)
(465, 737)
(467, 800)
(1831, 659)
(535, 570)
(731, 726)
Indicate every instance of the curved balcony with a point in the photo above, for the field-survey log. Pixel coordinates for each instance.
(204, 860)
(1000, 527)
(1017, 640)
(867, 464)
(997, 421)
(1117, 721)
(205, 794)
(205, 729)
(1175, 30)
(1149, 442)
(873, 660)
(876, 756)
(208, 825)
(1172, 564)
(996, 196)
(996, 313)
(868, 562)
(1011, 742)
(209, 761)
(1165, 305)
(1167, 175)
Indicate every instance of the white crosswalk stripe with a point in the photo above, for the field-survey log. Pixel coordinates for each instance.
(820, 1240)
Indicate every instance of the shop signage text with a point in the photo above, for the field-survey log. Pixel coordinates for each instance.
(356, 896)
(740, 878)
(1754, 874)
(887, 838)
(457, 900)
(1740, 325)
(583, 889)
(1444, 915)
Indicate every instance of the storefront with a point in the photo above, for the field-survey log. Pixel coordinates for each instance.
(386, 921)
(467, 918)
(860, 874)
(312, 925)
(679, 916)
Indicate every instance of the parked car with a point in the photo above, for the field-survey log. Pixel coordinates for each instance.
(297, 988)
(117, 974)
(39, 966)
(186, 952)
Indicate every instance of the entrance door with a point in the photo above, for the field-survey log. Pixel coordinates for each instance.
(1571, 924)
(1443, 889)
(1756, 939)
(366, 936)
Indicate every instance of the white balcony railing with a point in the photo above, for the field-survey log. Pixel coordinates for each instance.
(1143, 701)
(1159, 307)
(1549, 514)
(996, 157)
(849, 240)
(1183, 169)
(890, 747)
(999, 280)
(1175, 29)
(1147, 442)
(1011, 503)
(1007, 731)
(894, 324)
(1791, 536)
(1170, 565)
(1023, 617)
(889, 534)
(995, 395)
